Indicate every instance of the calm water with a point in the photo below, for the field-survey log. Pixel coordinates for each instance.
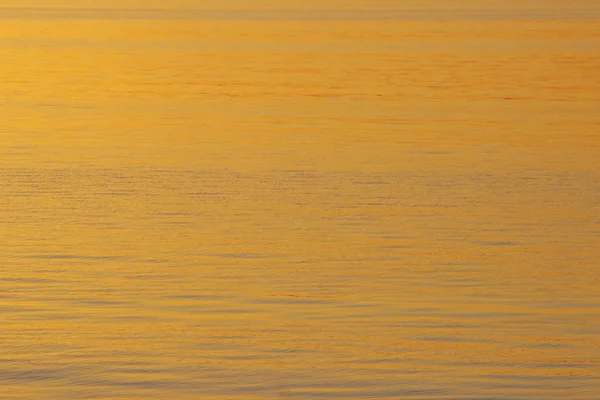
(368, 201)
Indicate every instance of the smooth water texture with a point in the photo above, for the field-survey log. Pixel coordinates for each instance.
(362, 199)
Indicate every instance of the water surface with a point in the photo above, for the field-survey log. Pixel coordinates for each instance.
(380, 200)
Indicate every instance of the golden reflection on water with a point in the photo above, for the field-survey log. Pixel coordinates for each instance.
(299, 209)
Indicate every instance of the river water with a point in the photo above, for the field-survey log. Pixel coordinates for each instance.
(386, 199)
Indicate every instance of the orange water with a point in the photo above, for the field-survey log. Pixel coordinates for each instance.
(380, 200)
